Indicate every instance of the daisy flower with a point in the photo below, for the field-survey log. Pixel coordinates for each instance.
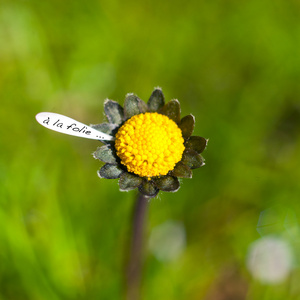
(152, 148)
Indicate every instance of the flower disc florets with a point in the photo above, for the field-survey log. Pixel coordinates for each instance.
(149, 144)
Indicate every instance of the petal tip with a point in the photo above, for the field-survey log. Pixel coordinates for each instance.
(157, 88)
(99, 174)
(174, 191)
(94, 155)
(129, 95)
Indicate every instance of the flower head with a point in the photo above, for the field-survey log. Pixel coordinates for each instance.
(152, 146)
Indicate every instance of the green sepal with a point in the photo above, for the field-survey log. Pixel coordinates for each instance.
(167, 183)
(110, 171)
(182, 171)
(113, 111)
(171, 110)
(105, 154)
(107, 128)
(156, 100)
(129, 181)
(133, 105)
(187, 125)
(192, 159)
(196, 143)
(147, 188)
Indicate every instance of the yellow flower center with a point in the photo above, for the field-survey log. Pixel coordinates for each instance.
(149, 144)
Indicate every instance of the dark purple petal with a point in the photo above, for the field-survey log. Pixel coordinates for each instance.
(187, 125)
(156, 100)
(196, 143)
(133, 105)
(129, 181)
(114, 112)
(171, 110)
(192, 159)
(148, 189)
(105, 154)
(110, 171)
(182, 171)
(167, 183)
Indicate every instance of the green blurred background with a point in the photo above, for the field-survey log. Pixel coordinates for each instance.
(235, 65)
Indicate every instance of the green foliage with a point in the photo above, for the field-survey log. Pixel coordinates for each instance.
(234, 65)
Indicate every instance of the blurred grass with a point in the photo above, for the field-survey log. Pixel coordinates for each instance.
(234, 65)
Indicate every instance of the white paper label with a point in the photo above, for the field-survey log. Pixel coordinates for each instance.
(69, 126)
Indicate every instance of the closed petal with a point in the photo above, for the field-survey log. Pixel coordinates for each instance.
(196, 143)
(182, 171)
(107, 128)
(171, 110)
(129, 181)
(133, 105)
(167, 183)
(192, 159)
(105, 154)
(114, 112)
(148, 189)
(187, 125)
(156, 100)
(110, 171)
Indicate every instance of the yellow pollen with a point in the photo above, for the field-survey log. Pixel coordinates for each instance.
(149, 144)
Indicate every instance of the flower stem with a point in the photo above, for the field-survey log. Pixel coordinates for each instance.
(134, 267)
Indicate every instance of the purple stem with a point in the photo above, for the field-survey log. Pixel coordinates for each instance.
(134, 267)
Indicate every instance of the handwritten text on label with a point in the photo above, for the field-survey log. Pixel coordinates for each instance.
(70, 126)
